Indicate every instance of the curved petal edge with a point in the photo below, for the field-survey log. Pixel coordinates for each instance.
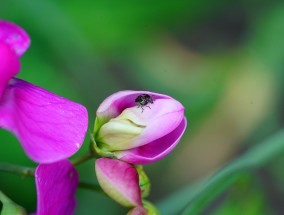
(49, 127)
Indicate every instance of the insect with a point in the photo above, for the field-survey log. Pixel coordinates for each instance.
(142, 101)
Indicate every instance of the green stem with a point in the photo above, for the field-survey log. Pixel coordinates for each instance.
(92, 153)
(15, 169)
(28, 171)
(93, 187)
(83, 158)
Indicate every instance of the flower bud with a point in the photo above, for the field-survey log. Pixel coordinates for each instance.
(119, 180)
(139, 127)
(147, 209)
(138, 211)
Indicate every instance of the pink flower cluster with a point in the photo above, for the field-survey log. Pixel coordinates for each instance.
(131, 128)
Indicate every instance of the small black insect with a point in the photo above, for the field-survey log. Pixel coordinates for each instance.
(142, 101)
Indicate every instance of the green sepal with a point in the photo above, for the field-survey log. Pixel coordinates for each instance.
(94, 148)
(144, 182)
(152, 210)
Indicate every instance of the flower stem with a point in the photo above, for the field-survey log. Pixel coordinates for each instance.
(83, 158)
(15, 169)
(89, 186)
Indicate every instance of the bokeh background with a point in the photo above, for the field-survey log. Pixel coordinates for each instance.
(224, 60)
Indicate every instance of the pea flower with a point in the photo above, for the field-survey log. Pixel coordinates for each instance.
(120, 181)
(138, 127)
(49, 127)
(56, 185)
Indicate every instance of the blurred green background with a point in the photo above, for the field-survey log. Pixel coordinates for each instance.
(222, 59)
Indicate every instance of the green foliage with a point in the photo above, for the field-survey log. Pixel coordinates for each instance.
(193, 199)
(222, 59)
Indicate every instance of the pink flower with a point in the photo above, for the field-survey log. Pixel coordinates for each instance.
(120, 181)
(56, 185)
(139, 133)
(49, 127)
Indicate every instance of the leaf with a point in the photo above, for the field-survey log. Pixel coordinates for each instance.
(245, 197)
(9, 207)
(191, 200)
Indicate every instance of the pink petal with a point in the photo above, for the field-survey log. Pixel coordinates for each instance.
(14, 36)
(159, 118)
(56, 185)
(113, 105)
(9, 66)
(49, 127)
(164, 116)
(155, 150)
(119, 180)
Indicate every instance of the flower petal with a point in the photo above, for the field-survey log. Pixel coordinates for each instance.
(155, 150)
(14, 36)
(151, 124)
(170, 113)
(120, 181)
(9, 66)
(49, 127)
(113, 105)
(116, 133)
(56, 185)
